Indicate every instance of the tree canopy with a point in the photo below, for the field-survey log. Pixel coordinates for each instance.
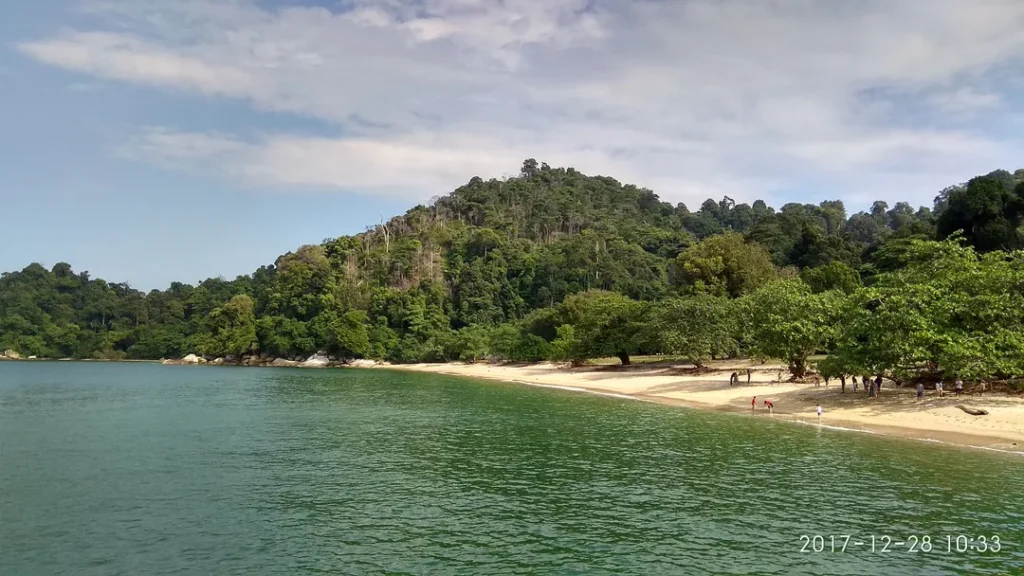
(552, 263)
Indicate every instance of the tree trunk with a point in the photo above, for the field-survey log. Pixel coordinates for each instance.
(798, 367)
(842, 381)
(624, 358)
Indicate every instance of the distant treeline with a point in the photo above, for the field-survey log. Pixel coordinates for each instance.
(554, 264)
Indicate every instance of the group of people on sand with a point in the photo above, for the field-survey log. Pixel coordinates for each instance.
(767, 404)
(734, 378)
(958, 388)
(872, 387)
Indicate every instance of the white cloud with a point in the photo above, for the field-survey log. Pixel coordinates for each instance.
(695, 98)
(123, 57)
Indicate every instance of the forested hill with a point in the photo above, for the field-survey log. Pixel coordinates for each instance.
(486, 271)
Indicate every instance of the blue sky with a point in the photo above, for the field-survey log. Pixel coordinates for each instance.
(149, 141)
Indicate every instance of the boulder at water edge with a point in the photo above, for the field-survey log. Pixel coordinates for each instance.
(12, 355)
(315, 361)
(282, 363)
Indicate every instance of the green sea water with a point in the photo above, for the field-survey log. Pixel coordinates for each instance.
(133, 469)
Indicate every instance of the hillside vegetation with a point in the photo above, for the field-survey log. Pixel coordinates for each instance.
(554, 264)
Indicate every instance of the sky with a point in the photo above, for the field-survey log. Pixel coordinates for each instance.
(149, 141)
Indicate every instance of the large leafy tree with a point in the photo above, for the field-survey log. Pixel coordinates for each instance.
(833, 276)
(785, 320)
(988, 210)
(698, 328)
(602, 324)
(233, 328)
(723, 265)
(950, 311)
(347, 335)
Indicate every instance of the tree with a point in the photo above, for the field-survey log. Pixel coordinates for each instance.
(814, 248)
(603, 324)
(785, 320)
(512, 342)
(698, 328)
(833, 276)
(988, 212)
(723, 265)
(347, 335)
(233, 328)
(471, 343)
(950, 311)
(552, 263)
(837, 366)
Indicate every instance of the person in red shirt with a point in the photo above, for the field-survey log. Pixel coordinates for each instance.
(770, 406)
(753, 404)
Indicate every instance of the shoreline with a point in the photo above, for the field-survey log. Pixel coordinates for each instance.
(895, 414)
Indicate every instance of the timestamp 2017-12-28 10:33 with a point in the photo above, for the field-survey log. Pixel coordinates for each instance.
(913, 543)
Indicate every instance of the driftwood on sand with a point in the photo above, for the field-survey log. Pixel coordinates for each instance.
(972, 411)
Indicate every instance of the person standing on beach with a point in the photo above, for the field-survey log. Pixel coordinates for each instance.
(748, 375)
(753, 404)
(770, 405)
(938, 388)
(920, 391)
(819, 411)
(959, 386)
(854, 383)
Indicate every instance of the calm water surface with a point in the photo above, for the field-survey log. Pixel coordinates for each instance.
(146, 469)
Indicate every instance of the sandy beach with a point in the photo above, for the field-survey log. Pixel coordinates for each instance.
(896, 412)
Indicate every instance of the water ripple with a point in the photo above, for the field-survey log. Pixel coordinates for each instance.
(129, 469)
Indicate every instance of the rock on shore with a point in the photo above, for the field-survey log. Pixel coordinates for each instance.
(190, 359)
(318, 360)
(315, 361)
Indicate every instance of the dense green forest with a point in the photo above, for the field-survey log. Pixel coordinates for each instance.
(553, 264)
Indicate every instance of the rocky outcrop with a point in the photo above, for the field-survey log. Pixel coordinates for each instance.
(191, 359)
(318, 360)
(11, 355)
(315, 361)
